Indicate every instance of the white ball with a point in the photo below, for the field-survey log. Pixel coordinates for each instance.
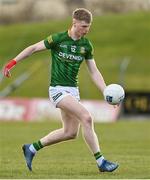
(114, 94)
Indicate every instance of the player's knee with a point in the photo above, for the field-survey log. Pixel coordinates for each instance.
(71, 135)
(87, 119)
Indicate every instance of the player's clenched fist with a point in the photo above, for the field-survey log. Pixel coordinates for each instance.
(8, 67)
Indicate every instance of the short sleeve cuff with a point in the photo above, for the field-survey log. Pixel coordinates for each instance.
(46, 43)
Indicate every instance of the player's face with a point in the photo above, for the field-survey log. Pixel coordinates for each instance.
(81, 28)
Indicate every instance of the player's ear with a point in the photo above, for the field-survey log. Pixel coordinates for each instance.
(74, 22)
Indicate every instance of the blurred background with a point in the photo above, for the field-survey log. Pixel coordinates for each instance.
(120, 35)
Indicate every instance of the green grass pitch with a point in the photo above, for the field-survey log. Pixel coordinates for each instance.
(125, 142)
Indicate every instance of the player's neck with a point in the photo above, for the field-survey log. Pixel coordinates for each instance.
(73, 34)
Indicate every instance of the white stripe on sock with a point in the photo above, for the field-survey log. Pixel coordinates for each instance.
(99, 160)
(32, 149)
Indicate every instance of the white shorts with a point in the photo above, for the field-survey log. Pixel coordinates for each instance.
(57, 93)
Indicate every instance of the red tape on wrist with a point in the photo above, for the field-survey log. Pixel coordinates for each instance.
(11, 64)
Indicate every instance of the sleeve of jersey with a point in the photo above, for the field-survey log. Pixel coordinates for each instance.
(90, 52)
(50, 41)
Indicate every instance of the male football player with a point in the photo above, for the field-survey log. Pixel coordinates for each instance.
(68, 50)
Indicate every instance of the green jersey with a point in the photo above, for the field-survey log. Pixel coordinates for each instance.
(67, 56)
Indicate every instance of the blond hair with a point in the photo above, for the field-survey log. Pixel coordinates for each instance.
(82, 14)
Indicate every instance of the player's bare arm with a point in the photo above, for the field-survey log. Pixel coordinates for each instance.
(30, 50)
(24, 54)
(96, 75)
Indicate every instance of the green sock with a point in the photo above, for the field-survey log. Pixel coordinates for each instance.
(97, 155)
(37, 145)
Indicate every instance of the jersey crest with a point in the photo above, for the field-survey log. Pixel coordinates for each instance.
(82, 50)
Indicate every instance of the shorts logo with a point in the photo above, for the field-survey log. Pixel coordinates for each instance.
(56, 96)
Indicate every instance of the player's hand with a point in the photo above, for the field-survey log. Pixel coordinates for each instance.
(6, 72)
(116, 106)
(8, 67)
